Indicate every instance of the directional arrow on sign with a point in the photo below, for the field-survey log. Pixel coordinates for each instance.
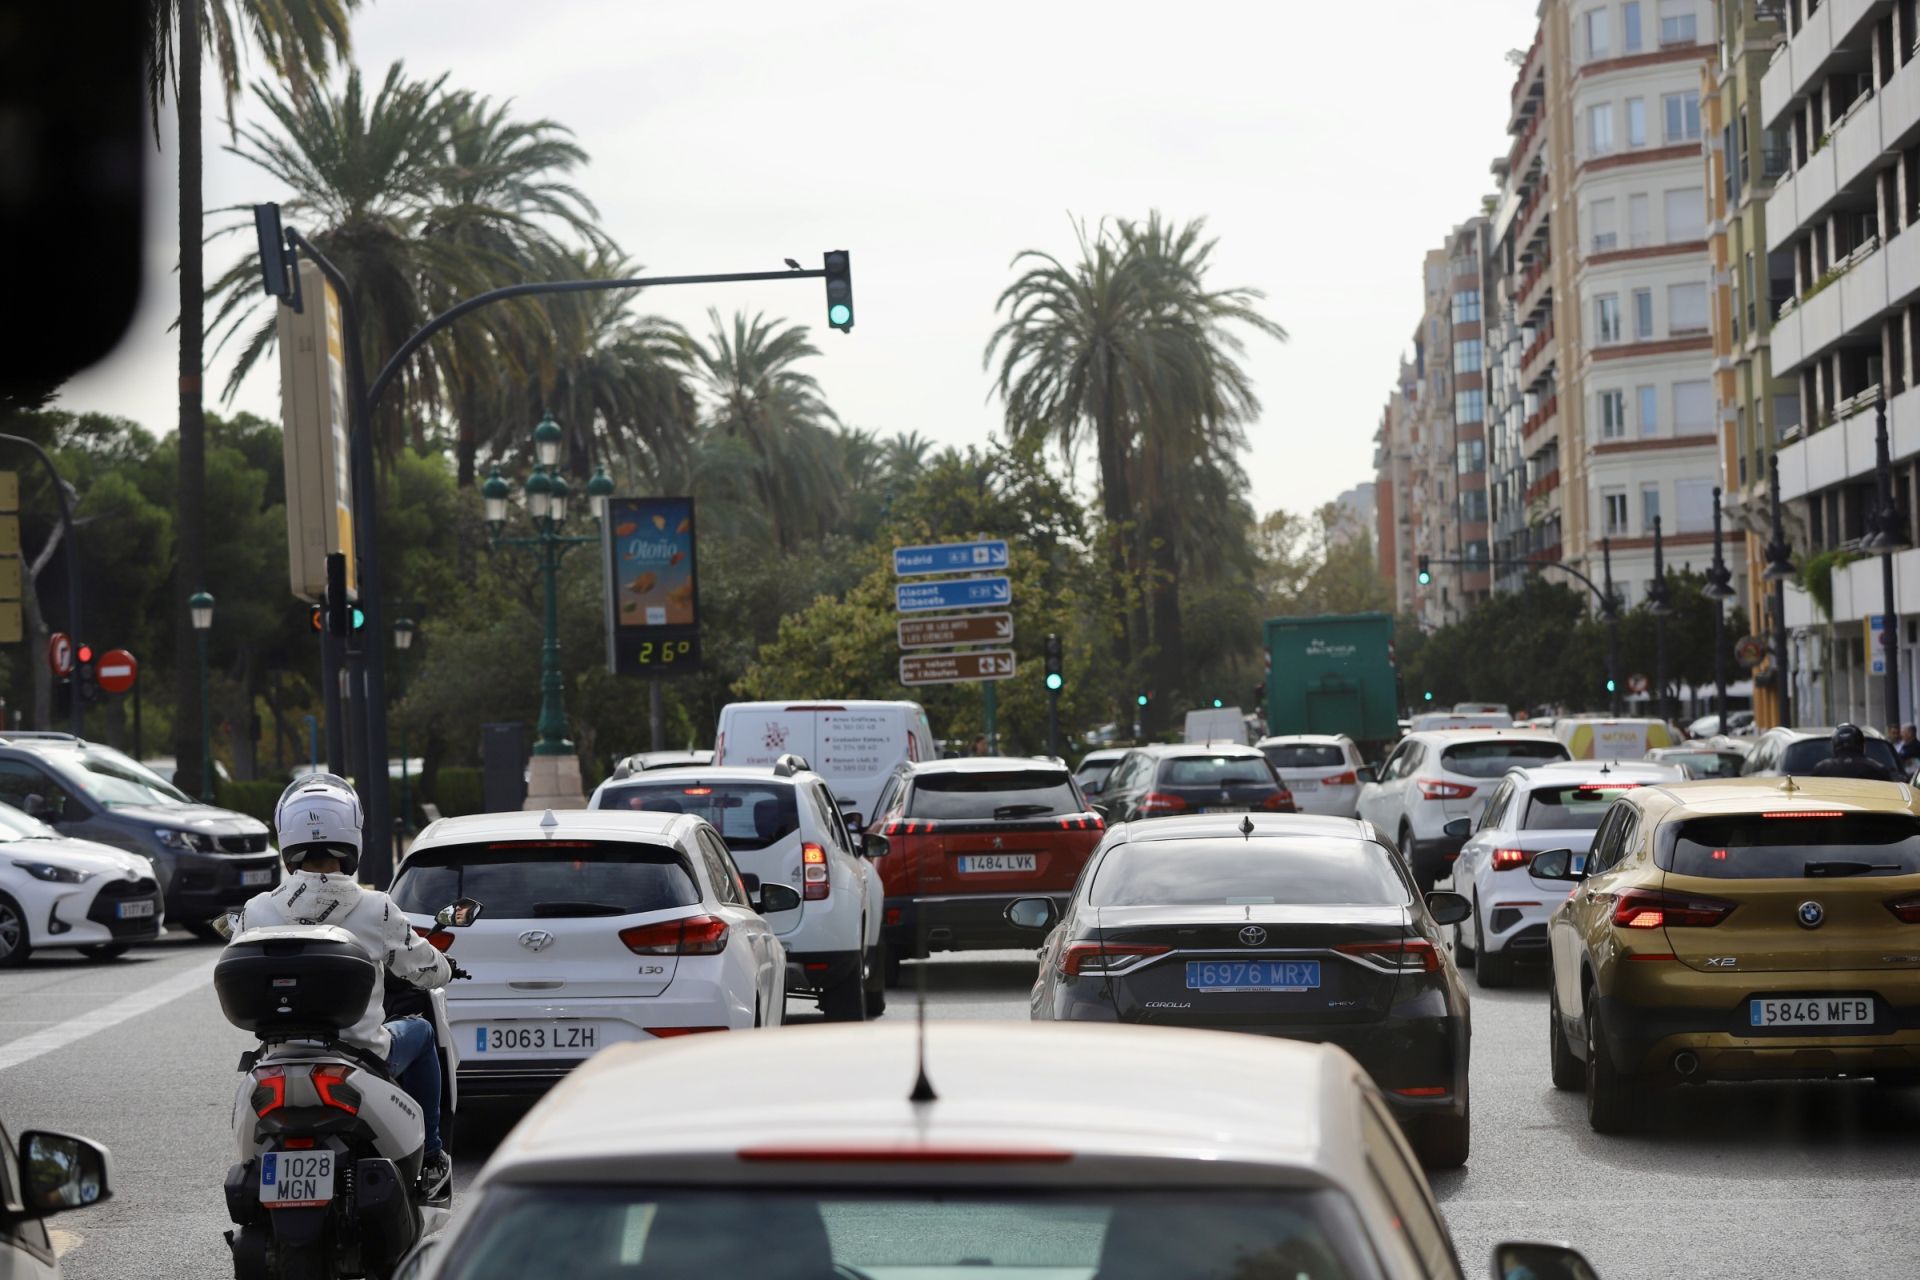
(950, 557)
(956, 668)
(952, 593)
(960, 629)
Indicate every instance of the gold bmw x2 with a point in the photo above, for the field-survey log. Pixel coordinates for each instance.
(1752, 929)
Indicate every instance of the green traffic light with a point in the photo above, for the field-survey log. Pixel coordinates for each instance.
(839, 313)
(1429, 697)
(1609, 686)
(1425, 577)
(1218, 704)
(1141, 700)
(1054, 681)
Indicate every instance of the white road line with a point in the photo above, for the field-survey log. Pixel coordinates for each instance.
(27, 1048)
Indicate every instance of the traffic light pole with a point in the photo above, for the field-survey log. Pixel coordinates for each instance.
(72, 558)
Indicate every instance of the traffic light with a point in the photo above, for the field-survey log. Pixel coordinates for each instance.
(1610, 684)
(1140, 700)
(1055, 678)
(839, 265)
(1428, 697)
(86, 680)
(317, 618)
(1425, 575)
(1217, 704)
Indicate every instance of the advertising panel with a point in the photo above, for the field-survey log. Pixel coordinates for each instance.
(653, 588)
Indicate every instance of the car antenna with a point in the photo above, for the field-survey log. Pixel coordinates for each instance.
(922, 1087)
(1246, 827)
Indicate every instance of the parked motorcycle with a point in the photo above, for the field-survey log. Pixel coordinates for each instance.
(327, 1181)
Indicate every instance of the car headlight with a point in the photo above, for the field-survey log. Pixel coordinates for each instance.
(174, 838)
(52, 874)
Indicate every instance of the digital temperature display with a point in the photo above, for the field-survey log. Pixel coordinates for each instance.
(653, 596)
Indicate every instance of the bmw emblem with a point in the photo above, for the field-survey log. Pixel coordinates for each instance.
(1811, 915)
(1253, 935)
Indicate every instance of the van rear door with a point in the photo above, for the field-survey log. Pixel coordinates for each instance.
(755, 734)
(858, 748)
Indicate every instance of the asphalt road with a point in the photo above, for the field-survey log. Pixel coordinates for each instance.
(1726, 1182)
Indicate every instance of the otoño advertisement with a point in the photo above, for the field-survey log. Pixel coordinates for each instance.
(653, 591)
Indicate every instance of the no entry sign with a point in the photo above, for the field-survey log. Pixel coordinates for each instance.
(116, 671)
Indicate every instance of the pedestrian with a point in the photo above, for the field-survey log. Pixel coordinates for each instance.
(1909, 748)
(980, 744)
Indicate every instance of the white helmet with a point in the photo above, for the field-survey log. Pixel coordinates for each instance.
(319, 813)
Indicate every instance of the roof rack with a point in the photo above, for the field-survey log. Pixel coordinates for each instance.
(40, 735)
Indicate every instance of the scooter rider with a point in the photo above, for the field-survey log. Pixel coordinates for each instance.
(1850, 758)
(318, 823)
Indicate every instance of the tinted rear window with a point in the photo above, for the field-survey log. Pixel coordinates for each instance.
(1094, 770)
(1493, 758)
(1304, 755)
(1800, 757)
(552, 880)
(1706, 764)
(1250, 872)
(1000, 793)
(1574, 807)
(1216, 771)
(748, 815)
(1752, 847)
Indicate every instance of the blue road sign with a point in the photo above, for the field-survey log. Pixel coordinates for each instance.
(952, 593)
(950, 557)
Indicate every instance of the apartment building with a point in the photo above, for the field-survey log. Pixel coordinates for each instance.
(1393, 444)
(1466, 251)
(1843, 94)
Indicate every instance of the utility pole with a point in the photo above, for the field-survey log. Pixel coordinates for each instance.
(1719, 589)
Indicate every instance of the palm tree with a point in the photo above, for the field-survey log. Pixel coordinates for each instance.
(299, 39)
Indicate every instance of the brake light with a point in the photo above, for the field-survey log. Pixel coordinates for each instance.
(693, 936)
(1278, 802)
(1906, 910)
(1607, 786)
(813, 873)
(1808, 813)
(1346, 779)
(668, 1033)
(331, 1084)
(910, 827)
(269, 1090)
(1654, 909)
(696, 791)
(1083, 822)
(1423, 1091)
(436, 939)
(1405, 955)
(1508, 859)
(1090, 959)
(1432, 790)
(905, 1155)
(1158, 804)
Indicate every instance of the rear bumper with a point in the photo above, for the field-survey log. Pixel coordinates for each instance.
(1644, 1038)
(810, 971)
(960, 922)
(513, 1079)
(1432, 860)
(687, 1002)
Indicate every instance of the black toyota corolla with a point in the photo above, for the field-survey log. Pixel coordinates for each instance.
(1283, 925)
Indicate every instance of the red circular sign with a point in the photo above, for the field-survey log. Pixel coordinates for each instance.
(60, 653)
(116, 671)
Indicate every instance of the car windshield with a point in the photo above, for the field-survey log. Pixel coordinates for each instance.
(1495, 756)
(1759, 846)
(1577, 806)
(1246, 872)
(1216, 771)
(748, 815)
(890, 1234)
(1304, 755)
(547, 879)
(996, 793)
(115, 780)
(1800, 757)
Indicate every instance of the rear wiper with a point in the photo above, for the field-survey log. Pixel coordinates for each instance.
(1849, 868)
(545, 910)
(1021, 810)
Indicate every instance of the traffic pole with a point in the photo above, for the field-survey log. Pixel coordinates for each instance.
(1053, 723)
(991, 696)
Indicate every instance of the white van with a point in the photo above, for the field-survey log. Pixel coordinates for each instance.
(1217, 724)
(855, 745)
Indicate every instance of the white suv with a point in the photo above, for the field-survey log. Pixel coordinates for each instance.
(784, 826)
(1321, 769)
(1436, 776)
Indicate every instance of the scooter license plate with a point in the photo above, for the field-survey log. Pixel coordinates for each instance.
(296, 1179)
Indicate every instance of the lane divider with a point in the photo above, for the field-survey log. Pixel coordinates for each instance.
(62, 1034)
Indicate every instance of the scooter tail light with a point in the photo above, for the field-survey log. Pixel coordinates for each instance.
(269, 1090)
(331, 1084)
(438, 939)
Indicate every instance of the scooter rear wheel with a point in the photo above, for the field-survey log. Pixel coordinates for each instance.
(301, 1263)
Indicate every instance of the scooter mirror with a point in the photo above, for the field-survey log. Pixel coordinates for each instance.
(459, 915)
(226, 924)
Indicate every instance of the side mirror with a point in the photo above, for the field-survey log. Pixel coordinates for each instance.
(1368, 773)
(1448, 908)
(854, 819)
(1093, 786)
(458, 916)
(1515, 1260)
(776, 897)
(1459, 828)
(875, 845)
(1554, 864)
(1032, 913)
(226, 924)
(750, 882)
(37, 807)
(59, 1172)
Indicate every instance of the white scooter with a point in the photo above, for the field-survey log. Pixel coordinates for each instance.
(327, 1181)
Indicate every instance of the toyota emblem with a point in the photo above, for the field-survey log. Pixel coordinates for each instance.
(536, 939)
(1253, 935)
(1811, 915)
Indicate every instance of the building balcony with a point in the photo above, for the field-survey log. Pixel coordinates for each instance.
(1532, 218)
(1545, 485)
(1844, 450)
(1535, 359)
(1532, 286)
(1837, 29)
(1851, 297)
(1546, 414)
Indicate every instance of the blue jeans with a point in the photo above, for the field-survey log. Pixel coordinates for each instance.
(414, 1064)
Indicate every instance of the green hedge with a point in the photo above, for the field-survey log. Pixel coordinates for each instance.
(255, 799)
(457, 792)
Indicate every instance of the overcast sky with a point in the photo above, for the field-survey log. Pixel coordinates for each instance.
(1328, 146)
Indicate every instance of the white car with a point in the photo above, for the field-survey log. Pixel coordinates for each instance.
(1436, 776)
(784, 826)
(1556, 806)
(984, 1149)
(1091, 773)
(599, 928)
(59, 892)
(51, 1173)
(1322, 770)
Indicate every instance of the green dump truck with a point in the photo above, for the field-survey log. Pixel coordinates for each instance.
(1333, 674)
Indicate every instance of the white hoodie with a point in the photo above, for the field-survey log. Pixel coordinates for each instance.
(308, 897)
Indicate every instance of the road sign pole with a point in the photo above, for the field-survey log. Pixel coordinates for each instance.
(992, 696)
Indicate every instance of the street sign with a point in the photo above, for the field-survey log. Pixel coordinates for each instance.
(965, 628)
(956, 668)
(950, 557)
(1636, 683)
(60, 653)
(1750, 651)
(952, 593)
(1879, 639)
(116, 671)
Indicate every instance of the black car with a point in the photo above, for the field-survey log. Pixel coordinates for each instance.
(1175, 779)
(1302, 927)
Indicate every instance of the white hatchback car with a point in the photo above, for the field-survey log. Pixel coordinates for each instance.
(59, 892)
(1322, 770)
(1436, 776)
(599, 928)
(936, 1161)
(783, 825)
(1556, 806)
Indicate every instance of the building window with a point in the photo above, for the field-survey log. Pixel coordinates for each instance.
(1616, 506)
(1599, 34)
(1686, 308)
(1613, 414)
(1600, 129)
(1466, 356)
(1649, 507)
(1786, 413)
(1683, 115)
(1639, 221)
(1649, 408)
(1692, 506)
(1677, 22)
(1692, 407)
(1636, 122)
(1466, 306)
(1606, 310)
(1471, 456)
(1469, 406)
(1643, 314)
(1686, 215)
(1630, 18)
(1600, 218)
(1473, 506)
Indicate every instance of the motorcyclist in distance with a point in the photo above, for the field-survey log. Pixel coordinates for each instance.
(318, 823)
(1849, 758)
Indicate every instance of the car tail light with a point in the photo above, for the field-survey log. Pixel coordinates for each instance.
(1432, 790)
(1653, 909)
(439, 940)
(693, 936)
(1158, 804)
(331, 1084)
(1346, 779)
(813, 873)
(269, 1090)
(852, 1154)
(1405, 955)
(1279, 802)
(1807, 813)
(909, 827)
(1423, 1091)
(1083, 822)
(1906, 910)
(668, 1033)
(1508, 859)
(1089, 959)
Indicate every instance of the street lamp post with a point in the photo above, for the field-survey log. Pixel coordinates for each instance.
(1888, 537)
(1779, 569)
(1659, 604)
(1719, 589)
(403, 641)
(200, 606)
(1612, 614)
(546, 493)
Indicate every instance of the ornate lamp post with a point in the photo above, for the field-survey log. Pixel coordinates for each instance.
(1719, 589)
(200, 606)
(1659, 604)
(1611, 613)
(546, 497)
(403, 641)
